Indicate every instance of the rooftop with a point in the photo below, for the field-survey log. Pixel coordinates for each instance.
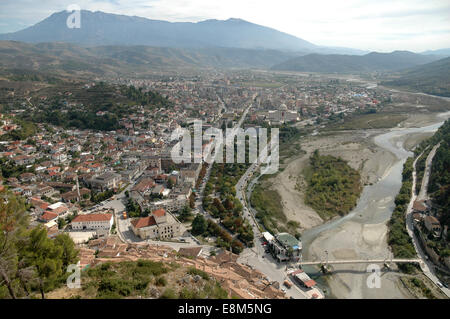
(288, 240)
(143, 222)
(92, 218)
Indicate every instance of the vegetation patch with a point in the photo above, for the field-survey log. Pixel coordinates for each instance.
(333, 186)
(269, 209)
(369, 121)
(398, 238)
(149, 279)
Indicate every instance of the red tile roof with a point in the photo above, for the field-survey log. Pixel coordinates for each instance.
(93, 218)
(419, 206)
(159, 212)
(309, 283)
(143, 222)
(47, 216)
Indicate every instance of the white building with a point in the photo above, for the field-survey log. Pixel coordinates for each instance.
(93, 222)
(158, 225)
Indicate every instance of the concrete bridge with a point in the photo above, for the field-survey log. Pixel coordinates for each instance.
(360, 261)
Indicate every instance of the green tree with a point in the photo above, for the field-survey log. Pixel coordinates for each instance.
(185, 214)
(40, 251)
(61, 223)
(199, 225)
(13, 223)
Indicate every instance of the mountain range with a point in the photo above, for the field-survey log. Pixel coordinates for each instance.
(340, 63)
(102, 60)
(99, 28)
(432, 78)
(117, 44)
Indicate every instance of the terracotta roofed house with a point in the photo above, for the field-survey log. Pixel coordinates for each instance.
(48, 216)
(159, 224)
(433, 225)
(93, 222)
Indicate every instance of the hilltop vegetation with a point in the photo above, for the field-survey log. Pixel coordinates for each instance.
(50, 61)
(432, 78)
(333, 186)
(30, 262)
(341, 63)
(74, 105)
(148, 279)
(439, 183)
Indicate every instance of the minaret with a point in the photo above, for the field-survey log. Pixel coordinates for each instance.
(78, 189)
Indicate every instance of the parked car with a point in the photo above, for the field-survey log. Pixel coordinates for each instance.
(287, 284)
(439, 284)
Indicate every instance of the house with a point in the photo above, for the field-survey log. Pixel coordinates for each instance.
(45, 190)
(105, 181)
(39, 205)
(58, 208)
(159, 225)
(158, 190)
(27, 177)
(420, 207)
(303, 279)
(93, 222)
(23, 160)
(48, 216)
(286, 247)
(433, 225)
(144, 186)
(73, 195)
(59, 157)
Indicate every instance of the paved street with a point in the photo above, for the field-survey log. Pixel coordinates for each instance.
(426, 265)
(256, 257)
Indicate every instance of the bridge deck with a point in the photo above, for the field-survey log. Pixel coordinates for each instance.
(360, 261)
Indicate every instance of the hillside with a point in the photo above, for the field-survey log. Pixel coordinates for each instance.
(439, 185)
(71, 104)
(432, 78)
(67, 58)
(338, 63)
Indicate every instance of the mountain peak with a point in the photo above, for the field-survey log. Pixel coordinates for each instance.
(100, 28)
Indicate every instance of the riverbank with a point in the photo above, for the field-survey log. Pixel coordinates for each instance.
(363, 232)
(355, 147)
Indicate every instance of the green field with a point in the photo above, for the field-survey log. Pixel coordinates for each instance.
(369, 121)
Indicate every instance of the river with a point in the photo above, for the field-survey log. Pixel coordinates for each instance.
(373, 210)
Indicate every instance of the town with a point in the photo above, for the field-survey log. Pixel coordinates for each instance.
(122, 182)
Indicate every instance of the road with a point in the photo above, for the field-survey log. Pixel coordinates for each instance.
(361, 261)
(257, 257)
(426, 265)
(211, 159)
(423, 194)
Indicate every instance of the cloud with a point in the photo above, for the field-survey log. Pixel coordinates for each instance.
(382, 25)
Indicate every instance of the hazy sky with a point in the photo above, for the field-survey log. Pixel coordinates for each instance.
(376, 25)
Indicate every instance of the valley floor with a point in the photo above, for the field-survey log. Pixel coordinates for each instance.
(352, 238)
